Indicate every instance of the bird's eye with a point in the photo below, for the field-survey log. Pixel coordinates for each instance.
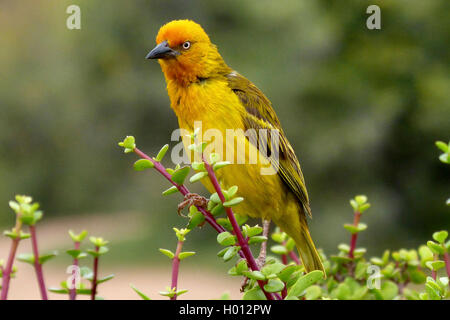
(186, 45)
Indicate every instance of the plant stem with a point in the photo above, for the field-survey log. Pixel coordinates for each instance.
(73, 290)
(294, 257)
(354, 235)
(9, 264)
(183, 190)
(94, 280)
(175, 268)
(244, 253)
(243, 243)
(433, 272)
(447, 264)
(37, 264)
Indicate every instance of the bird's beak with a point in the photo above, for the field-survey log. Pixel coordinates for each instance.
(162, 51)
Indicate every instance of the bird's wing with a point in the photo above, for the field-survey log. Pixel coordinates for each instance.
(260, 115)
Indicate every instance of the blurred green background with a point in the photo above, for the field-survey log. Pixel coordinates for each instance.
(361, 108)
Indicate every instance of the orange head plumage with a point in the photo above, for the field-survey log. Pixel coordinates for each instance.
(186, 53)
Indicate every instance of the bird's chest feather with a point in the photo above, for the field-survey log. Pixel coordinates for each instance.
(210, 101)
(216, 108)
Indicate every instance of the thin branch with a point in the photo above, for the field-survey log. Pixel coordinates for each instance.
(243, 243)
(73, 290)
(37, 264)
(9, 264)
(447, 264)
(175, 269)
(354, 235)
(94, 280)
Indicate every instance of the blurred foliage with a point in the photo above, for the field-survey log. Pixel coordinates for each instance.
(361, 107)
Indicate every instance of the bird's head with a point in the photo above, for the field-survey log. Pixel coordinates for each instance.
(185, 52)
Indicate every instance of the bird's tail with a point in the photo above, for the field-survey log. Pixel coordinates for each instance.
(307, 250)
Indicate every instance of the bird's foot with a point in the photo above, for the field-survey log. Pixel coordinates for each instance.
(192, 199)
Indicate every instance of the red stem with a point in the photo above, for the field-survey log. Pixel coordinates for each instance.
(175, 268)
(8, 269)
(447, 264)
(9, 264)
(294, 257)
(354, 235)
(73, 291)
(242, 242)
(94, 280)
(37, 265)
(183, 190)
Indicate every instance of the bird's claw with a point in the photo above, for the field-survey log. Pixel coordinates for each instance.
(192, 199)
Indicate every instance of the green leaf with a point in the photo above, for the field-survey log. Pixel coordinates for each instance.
(143, 164)
(440, 236)
(388, 291)
(233, 202)
(222, 252)
(162, 153)
(195, 220)
(411, 294)
(166, 252)
(44, 258)
(445, 158)
(272, 268)
(26, 257)
(251, 231)
(76, 254)
(257, 239)
(241, 267)
(184, 255)
(344, 248)
(101, 251)
(169, 191)
(417, 276)
(279, 249)
(231, 252)
(436, 248)
(274, 285)
(255, 275)
(98, 241)
(198, 166)
(129, 144)
(15, 206)
(180, 175)
(286, 273)
(226, 238)
(213, 158)
(435, 265)
(104, 279)
(142, 295)
(313, 293)
(78, 237)
(254, 294)
(198, 176)
(232, 191)
(443, 146)
(355, 229)
(220, 165)
(304, 282)
(215, 198)
(433, 292)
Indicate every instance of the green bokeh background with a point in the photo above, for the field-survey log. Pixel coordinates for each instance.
(362, 108)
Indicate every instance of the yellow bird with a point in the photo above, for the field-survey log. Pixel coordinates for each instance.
(202, 87)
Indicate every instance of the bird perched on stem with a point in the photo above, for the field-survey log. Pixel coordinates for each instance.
(202, 87)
